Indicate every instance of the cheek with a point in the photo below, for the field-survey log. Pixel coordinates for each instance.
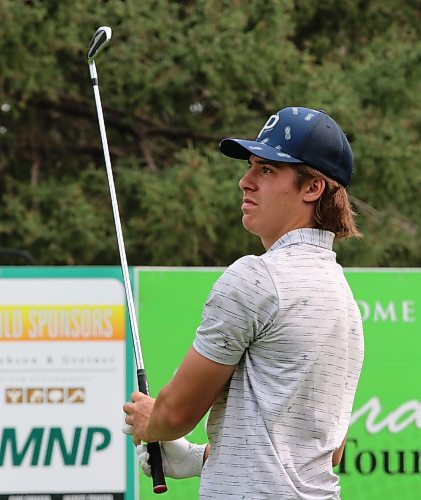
(278, 195)
(284, 202)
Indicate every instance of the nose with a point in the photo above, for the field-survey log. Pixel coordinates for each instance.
(248, 181)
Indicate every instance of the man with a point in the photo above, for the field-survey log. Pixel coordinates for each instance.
(279, 350)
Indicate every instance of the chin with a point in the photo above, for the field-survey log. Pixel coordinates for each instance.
(248, 226)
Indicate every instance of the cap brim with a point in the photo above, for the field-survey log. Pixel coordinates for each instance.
(242, 150)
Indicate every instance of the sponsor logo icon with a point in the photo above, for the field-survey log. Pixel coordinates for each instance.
(45, 395)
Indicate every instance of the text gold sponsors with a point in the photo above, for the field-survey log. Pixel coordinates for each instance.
(62, 322)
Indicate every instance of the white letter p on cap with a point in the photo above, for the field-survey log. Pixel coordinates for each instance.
(272, 121)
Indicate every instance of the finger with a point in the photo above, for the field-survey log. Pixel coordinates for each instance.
(127, 429)
(143, 459)
(129, 419)
(135, 396)
(136, 439)
(128, 407)
(146, 468)
(142, 452)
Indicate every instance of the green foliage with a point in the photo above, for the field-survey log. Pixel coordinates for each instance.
(177, 78)
(58, 222)
(189, 214)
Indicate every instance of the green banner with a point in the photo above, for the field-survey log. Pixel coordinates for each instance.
(382, 459)
(170, 303)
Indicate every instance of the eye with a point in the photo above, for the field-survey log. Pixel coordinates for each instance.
(266, 169)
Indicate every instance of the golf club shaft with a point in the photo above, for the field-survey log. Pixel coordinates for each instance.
(154, 450)
(119, 232)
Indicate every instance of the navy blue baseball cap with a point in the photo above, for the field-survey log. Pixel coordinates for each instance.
(299, 136)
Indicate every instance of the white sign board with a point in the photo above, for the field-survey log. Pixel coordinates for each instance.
(62, 386)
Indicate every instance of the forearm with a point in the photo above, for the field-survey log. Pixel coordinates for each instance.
(183, 402)
(163, 429)
(167, 422)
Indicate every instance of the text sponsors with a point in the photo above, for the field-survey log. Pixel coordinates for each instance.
(63, 322)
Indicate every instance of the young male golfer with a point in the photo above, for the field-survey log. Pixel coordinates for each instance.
(279, 350)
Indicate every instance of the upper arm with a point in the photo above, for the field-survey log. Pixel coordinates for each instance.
(241, 306)
(193, 389)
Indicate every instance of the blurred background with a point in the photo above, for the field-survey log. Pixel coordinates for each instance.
(177, 77)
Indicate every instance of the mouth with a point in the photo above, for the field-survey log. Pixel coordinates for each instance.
(248, 203)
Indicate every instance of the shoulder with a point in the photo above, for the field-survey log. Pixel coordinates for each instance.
(252, 262)
(247, 271)
(247, 281)
(242, 303)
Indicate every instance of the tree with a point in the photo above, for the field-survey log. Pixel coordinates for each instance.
(177, 78)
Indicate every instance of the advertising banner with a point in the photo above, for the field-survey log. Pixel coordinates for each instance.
(382, 458)
(66, 367)
(63, 364)
(170, 302)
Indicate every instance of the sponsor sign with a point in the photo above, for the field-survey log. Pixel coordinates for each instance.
(62, 385)
(382, 459)
(66, 367)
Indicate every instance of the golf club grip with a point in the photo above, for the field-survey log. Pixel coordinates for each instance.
(154, 450)
(157, 472)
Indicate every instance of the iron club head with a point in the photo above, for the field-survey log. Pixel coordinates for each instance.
(99, 41)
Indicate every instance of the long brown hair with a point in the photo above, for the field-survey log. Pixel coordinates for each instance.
(333, 210)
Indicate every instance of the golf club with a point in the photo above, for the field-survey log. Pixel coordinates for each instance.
(99, 41)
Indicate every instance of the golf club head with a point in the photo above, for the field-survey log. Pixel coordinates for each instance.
(99, 41)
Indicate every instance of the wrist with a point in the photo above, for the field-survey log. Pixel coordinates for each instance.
(198, 452)
(150, 434)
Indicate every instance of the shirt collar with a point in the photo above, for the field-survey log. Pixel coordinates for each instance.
(316, 237)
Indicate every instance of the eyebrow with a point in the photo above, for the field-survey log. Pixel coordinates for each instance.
(261, 161)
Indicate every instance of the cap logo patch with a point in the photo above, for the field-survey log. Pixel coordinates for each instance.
(272, 121)
(308, 117)
(295, 111)
(287, 133)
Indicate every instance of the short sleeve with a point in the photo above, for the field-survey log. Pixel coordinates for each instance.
(240, 307)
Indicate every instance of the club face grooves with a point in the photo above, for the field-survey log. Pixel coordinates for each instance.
(99, 41)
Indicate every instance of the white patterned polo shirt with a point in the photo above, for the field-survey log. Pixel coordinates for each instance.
(289, 321)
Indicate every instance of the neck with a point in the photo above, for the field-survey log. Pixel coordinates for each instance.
(267, 242)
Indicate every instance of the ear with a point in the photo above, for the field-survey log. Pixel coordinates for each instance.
(313, 189)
